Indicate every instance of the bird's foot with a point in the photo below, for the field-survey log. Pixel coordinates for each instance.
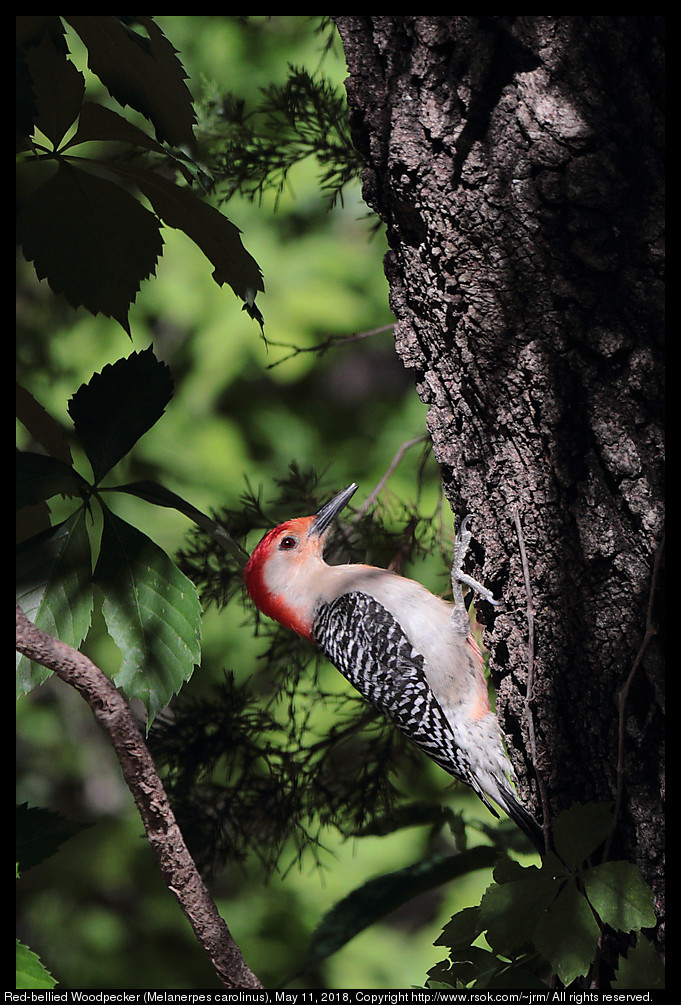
(461, 579)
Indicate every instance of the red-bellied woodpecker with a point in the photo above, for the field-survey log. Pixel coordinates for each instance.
(407, 651)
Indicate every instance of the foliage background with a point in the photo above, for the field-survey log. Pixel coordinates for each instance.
(97, 912)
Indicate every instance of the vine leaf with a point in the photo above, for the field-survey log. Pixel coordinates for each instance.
(619, 896)
(76, 229)
(92, 240)
(142, 71)
(39, 834)
(580, 830)
(54, 589)
(117, 406)
(96, 122)
(152, 613)
(41, 425)
(58, 89)
(217, 237)
(641, 969)
(161, 496)
(568, 934)
(40, 477)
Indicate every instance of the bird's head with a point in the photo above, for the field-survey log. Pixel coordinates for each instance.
(281, 573)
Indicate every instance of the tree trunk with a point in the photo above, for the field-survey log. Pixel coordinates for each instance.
(517, 165)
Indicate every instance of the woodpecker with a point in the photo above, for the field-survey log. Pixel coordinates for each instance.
(407, 651)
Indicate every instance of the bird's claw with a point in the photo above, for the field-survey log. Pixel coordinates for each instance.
(460, 578)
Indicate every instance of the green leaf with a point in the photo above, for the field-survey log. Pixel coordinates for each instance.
(379, 896)
(462, 930)
(40, 832)
(619, 895)
(117, 406)
(40, 477)
(143, 72)
(58, 87)
(30, 973)
(90, 239)
(161, 496)
(510, 911)
(568, 934)
(470, 966)
(507, 870)
(579, 831)
(217, 237)
(152, 613)
(642, 969)
(54, 589)
(41, 425)
(99, 123)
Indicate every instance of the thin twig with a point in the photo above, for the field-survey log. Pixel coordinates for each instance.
(373, 495)
(177, 867)
(322, 347)
(529, 690)
(651, 629)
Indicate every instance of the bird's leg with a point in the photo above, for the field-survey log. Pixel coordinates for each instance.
(459, 615)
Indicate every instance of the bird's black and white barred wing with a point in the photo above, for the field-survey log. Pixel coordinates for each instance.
(365, 642)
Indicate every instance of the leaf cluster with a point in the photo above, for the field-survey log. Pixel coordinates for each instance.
(151, 609)
(255, 149)
(550, 920)
(80, 161)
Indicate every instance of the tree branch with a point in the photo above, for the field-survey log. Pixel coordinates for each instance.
(176, 864)
(323, 347)
(373, 495)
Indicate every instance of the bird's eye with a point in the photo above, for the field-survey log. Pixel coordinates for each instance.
(287, 543)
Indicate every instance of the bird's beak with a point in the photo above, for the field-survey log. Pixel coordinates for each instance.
(331, 509)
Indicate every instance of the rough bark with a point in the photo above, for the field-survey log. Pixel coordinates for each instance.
(517, 165)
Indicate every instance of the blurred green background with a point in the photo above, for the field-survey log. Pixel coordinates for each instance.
(97, 912)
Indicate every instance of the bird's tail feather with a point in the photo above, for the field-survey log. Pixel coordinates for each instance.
(523, 819)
